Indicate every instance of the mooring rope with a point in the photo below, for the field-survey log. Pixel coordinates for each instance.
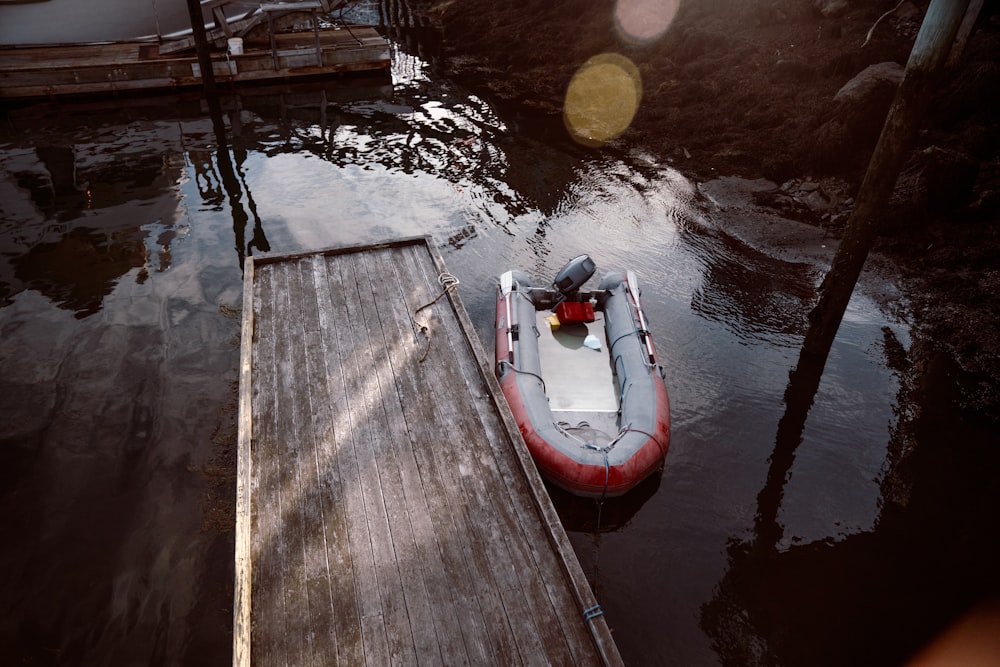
(606, 449)
(448, 282)
(607, 473)
(593, 447)
(340, 17)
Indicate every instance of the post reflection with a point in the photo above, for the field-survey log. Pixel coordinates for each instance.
(803, 384)
(233, 180)
(774, 603)
(871, 597)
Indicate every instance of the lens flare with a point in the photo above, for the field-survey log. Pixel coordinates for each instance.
(644, 20)
(602, 99)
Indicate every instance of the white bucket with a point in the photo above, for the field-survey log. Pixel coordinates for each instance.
(236, 46)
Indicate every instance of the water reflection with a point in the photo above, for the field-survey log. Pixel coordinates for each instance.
(788, 603)
(585, 515)
(100, 207)
(62, 191)
(756, 295)
(81, 268)
(874, 597)
(234, 181)
(117, 424)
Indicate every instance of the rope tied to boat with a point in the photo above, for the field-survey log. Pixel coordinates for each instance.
(642, 335)
(593, 612)
(504, 362)
(448, 282)
(663, 450)
(566, 430)
(607, 472)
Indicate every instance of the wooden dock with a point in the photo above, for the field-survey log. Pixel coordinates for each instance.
(119, 67)
(388, 511)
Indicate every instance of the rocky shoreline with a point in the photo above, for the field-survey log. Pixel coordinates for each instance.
(793, 91)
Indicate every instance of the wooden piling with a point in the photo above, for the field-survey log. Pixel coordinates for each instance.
(932, 45)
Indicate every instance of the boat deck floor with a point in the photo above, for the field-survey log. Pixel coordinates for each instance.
(579, 378)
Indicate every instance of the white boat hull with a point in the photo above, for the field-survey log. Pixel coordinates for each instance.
(24, 22)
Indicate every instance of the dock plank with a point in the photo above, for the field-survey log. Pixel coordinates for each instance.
(358, 475)
(291, 512)
(393, 511)
(420, 557)
(377, 470)
(309, 411)
(516, 577)
(406, 346)
(332, 460)
(268, 644)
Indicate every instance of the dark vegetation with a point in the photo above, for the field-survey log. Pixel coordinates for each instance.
(750, 88)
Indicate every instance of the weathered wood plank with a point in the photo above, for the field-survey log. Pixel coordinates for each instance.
(463, 546)
(373, 645)
(430, 606)
(291, 545)
(420, 478)
(378, 493)
(242, 601)
(445, 505)
(384, 421)
(326, 373)
(268, 603)
(520, 467)
(489, 553)
(443, 441)
(388, 586)
(321, 645)
(529, 623)
(390, 516)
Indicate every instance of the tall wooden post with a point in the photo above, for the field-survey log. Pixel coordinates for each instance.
(201, 45)
(932, 46)
(929, 51)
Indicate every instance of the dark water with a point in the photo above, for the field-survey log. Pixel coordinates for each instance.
(847, 532)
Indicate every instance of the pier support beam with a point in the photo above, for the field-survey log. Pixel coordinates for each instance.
(201, 45)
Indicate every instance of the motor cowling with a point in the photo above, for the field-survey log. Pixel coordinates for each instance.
(574, 274)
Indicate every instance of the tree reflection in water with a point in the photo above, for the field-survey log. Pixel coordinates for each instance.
(868, 598)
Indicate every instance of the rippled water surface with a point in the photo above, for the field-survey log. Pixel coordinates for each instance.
(122, 232)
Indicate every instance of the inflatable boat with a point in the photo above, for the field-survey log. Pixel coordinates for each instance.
(580, 373)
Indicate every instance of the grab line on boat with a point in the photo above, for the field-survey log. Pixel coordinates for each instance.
(518, 370)
(635, 332)
(648, 435)
(589, 445)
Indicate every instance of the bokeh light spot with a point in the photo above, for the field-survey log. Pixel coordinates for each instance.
(602, 99)
(644, 20)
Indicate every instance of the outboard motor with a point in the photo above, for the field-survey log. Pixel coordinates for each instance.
(570, 277)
